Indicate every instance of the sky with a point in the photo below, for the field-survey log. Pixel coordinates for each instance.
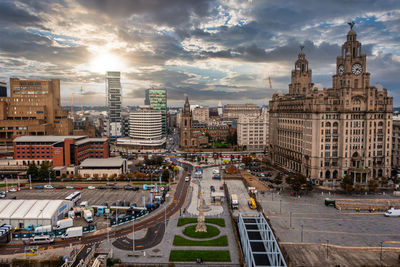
(210, 50)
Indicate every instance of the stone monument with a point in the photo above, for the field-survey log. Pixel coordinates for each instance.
(201, 226)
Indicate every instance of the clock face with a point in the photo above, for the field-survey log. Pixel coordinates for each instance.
(356, 69)
(341, 70)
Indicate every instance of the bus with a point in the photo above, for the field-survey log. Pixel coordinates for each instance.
(74, 197)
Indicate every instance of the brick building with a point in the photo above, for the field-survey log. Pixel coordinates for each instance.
(59, 150)
(33, 108)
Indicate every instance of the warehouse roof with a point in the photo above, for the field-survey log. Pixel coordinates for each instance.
(47, 138)
(29, 209)
(107, 162)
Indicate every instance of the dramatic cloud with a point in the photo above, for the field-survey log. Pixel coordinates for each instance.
(209, 49)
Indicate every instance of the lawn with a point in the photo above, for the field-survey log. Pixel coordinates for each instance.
(218, 242)
(190, 231)
(205, 255)
(217, 221)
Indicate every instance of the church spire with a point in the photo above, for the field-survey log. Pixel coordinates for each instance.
(301, 83)
(186, 107)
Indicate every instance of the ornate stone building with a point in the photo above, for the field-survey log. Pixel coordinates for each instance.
(190, 137)
(329, 133)
(253, 131)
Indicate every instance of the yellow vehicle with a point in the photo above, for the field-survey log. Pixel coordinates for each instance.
(252, 203)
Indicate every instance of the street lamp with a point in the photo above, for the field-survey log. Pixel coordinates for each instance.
(327, 243)
(381, 253)
(302, 227)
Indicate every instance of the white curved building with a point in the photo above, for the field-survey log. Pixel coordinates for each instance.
(145, 129)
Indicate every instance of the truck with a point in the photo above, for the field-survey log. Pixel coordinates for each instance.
(66, 223)
(44, 229)
(73, 232)
(87, 214)
(392, 213)
(234, 201)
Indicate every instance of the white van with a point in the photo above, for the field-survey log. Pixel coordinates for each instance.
(392, 213)
(41, 239)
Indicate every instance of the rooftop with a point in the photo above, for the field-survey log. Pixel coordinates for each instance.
(88, 140)
(108, 162)
(47, 138)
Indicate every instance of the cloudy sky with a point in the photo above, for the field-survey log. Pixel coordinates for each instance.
(209, 49)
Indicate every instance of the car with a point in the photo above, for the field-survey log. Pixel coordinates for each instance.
(13, 189)
(3, 194)
(212, 188)
(102, 187)
(78, 187)
(60, 187)
(136, 188)
(48, 186)
(91, 187)
(69, 187)
(187, 179)
(89, 179)
(39, 187)
(128, 187)
(115, 187)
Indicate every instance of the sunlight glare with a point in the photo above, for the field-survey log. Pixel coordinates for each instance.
(102, 63)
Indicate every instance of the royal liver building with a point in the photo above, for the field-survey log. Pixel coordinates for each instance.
(330, 133)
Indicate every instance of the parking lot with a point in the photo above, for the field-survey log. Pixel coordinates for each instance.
(308, 220)
(93, 196)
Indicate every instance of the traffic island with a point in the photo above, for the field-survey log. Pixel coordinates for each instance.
(204, 255)
(216, 221)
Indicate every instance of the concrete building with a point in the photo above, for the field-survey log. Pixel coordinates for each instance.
(20, 213)
(113, 85)
(233, 111)
(157, 99)
(396, 144)
(33, 108)
(59, 150)
(103, 167)
(3, 89)
(330, 133)
(253, 132)
(220, 109)
(201, 114)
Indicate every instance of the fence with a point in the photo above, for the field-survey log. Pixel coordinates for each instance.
(85, 229)
(128, 218)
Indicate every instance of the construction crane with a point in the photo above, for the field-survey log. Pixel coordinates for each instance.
(72, 105)
(81, 100)
(270, 86)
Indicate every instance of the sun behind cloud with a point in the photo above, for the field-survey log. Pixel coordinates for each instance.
(103, 62)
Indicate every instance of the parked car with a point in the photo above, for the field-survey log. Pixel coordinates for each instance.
(212, 188)
(69, 187)
(39, 187)
(3, 194)
(128, 187)
(78, 187)
(101, 187)
(136, 188)
(48, 186)
(60, 187)
(115, 187)
(91, 187)
(13, 189)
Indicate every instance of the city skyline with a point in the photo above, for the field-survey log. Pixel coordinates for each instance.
(210, 50)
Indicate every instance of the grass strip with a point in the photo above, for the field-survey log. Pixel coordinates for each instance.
(205, 255)
(221, 241)
(190, 231)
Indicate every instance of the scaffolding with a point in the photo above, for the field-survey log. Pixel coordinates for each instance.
(258, 241)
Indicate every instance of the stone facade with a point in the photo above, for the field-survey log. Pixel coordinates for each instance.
(190, 137)
(253, 132)
(396, 144)
(234, 111)
(201, 114)
(329, 133)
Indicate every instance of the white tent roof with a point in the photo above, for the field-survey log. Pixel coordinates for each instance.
(23, 209)
(36, 210)
(11, 208)
(4, 204)
(29, 209)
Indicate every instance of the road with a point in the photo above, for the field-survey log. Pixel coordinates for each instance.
(175, 205)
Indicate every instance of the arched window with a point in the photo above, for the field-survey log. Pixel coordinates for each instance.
(335, 172)
(328, 124)
(328, 174)
(335, 124)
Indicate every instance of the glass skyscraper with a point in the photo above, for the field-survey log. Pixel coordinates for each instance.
(157, 99)
(113, 85)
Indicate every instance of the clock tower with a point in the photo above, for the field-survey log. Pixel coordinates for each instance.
(351, 65)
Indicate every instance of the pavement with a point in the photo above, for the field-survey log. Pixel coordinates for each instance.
(203, 185)
(237, 187)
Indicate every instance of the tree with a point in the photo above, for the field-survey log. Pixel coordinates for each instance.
(165, 175)
(296, 181)
(347, 183)
(33, 171)
(247, 160)
(372, 185)
(43, 173)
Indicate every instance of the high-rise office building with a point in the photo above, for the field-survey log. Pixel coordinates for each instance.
(113, 85)
(3, 89)
(157, 99)
(33, 108)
